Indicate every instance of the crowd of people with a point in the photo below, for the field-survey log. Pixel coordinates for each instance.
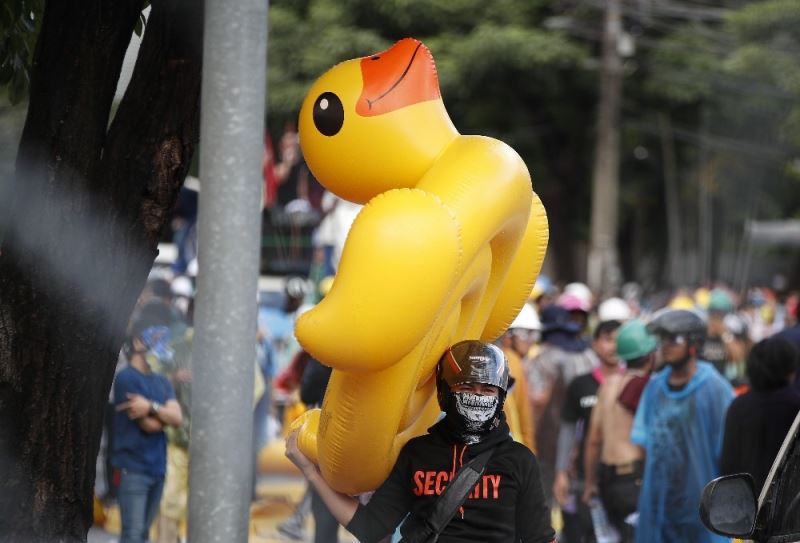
(637, 404)
(630, 404)
(144, 457)
(629, 408)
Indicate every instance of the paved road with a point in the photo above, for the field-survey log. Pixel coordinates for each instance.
(277, 496)
(97, 535)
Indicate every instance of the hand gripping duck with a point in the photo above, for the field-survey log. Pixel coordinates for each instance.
(447, 248)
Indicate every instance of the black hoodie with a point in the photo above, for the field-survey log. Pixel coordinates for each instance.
(507, 505)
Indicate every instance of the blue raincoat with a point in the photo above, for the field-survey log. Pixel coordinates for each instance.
(681, 431)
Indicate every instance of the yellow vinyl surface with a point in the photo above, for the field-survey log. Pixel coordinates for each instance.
(447, 248)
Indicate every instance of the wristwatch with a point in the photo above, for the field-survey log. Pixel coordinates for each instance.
(154, 408)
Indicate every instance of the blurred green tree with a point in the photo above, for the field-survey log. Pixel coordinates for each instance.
(731, 88)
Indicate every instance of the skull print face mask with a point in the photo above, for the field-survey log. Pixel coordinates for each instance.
(471, 416)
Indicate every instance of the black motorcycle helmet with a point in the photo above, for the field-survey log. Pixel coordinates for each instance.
(471, 361)
(679, 322)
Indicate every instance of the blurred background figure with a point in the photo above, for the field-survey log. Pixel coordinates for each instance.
(792, 332)
(581, 397)
(184, 225)
(578, 304)
(337, 217)
(679, 423)
(292, 206)
(278, 320)
(758, 421)
(614, 466)
(543, 294)
(582, 292)
(516, 344)
(723, 349)
(562, 357)
(145, 405)
(175, 499)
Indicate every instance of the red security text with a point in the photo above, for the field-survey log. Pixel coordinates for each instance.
(430, 483)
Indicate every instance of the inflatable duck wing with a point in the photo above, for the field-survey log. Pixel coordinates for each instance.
(446, 248)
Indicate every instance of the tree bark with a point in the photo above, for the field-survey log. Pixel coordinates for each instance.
(88, 204)
(558, 193)
(671, 198)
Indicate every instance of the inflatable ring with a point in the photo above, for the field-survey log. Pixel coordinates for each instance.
(447, 248)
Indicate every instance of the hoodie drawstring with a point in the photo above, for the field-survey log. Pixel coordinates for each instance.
(460, 464)
(453, 470)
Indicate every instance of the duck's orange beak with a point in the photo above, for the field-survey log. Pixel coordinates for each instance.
(402, 75)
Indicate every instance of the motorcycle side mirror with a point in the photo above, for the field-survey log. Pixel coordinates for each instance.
(728, 506)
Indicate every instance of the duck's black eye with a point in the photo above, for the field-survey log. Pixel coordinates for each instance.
(328, 114)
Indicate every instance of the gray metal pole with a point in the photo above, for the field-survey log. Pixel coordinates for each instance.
(231, 137)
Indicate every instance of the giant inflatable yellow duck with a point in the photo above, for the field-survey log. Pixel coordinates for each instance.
(446, 248)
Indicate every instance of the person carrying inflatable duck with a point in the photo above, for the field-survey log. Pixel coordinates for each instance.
(503, 502)
(446, 248)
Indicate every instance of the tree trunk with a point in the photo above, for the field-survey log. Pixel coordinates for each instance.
(558, 195)
(88, 204)
(671, 197)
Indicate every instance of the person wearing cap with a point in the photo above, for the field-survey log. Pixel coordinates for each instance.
(507, 504)
(679, 423)
(145, 405)
(516, 343)
(578, 308)
(612, 464)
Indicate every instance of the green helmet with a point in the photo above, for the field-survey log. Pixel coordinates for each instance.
(720, 301)
(634, 341)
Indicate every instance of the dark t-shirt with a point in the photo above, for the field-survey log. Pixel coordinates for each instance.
(581, 398)
(507, 504)
(134, 449)
(755, 427)
(314, 382)
(714, 351)
(791, 334)
(287, 191)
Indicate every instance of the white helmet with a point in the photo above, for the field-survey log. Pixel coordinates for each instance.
(182, 286)
(614, 309)
(581, 291)
(192, 268)
(527, 319)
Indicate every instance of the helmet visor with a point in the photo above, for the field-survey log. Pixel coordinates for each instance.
(474, 362)
(671, 339)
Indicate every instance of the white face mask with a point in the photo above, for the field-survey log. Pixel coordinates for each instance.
(475, 409)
